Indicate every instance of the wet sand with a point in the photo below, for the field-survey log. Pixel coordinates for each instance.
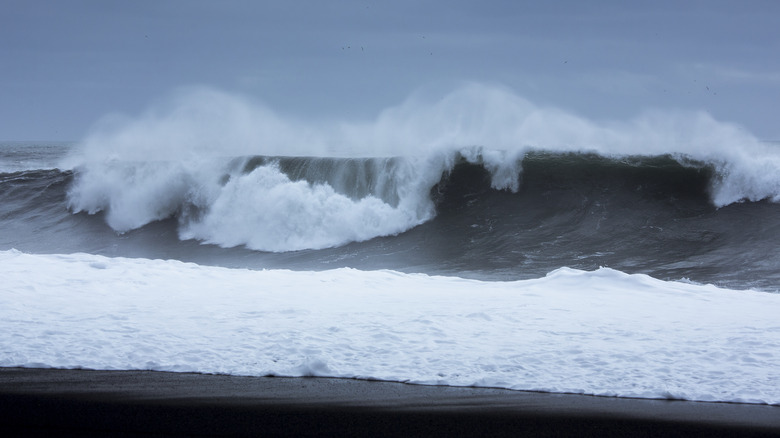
(48, 402)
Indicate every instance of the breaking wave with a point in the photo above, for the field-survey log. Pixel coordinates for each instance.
(226, 167)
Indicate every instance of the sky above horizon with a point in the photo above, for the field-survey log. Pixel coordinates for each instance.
(68, 64)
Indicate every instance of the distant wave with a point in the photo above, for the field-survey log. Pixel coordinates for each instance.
(19, 156)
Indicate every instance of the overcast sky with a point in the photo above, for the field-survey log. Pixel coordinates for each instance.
(65, 64)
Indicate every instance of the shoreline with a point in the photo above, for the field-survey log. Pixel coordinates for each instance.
(64, 402)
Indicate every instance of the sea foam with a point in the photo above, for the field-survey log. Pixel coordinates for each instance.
(601, 332)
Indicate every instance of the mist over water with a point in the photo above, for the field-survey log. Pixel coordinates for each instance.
(201, 122)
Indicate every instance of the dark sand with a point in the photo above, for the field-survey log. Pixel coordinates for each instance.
(46, 402)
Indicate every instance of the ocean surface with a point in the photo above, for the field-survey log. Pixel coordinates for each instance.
(633, 259)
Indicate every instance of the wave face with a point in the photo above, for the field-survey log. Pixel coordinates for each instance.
(650, 215)
(638, 214)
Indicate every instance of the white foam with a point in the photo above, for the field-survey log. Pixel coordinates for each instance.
(265, 210)
(132, 194)
(601, 332)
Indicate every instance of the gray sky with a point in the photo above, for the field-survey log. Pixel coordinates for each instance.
(65, 64)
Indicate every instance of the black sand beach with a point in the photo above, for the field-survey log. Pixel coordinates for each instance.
(49, 402)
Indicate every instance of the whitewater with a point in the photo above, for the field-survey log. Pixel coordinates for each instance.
(602, 332)
(471, 239)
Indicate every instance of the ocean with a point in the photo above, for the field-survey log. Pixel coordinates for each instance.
(626, 259)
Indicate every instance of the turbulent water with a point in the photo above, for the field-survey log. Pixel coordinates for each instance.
(550, 212)
(652, 215)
